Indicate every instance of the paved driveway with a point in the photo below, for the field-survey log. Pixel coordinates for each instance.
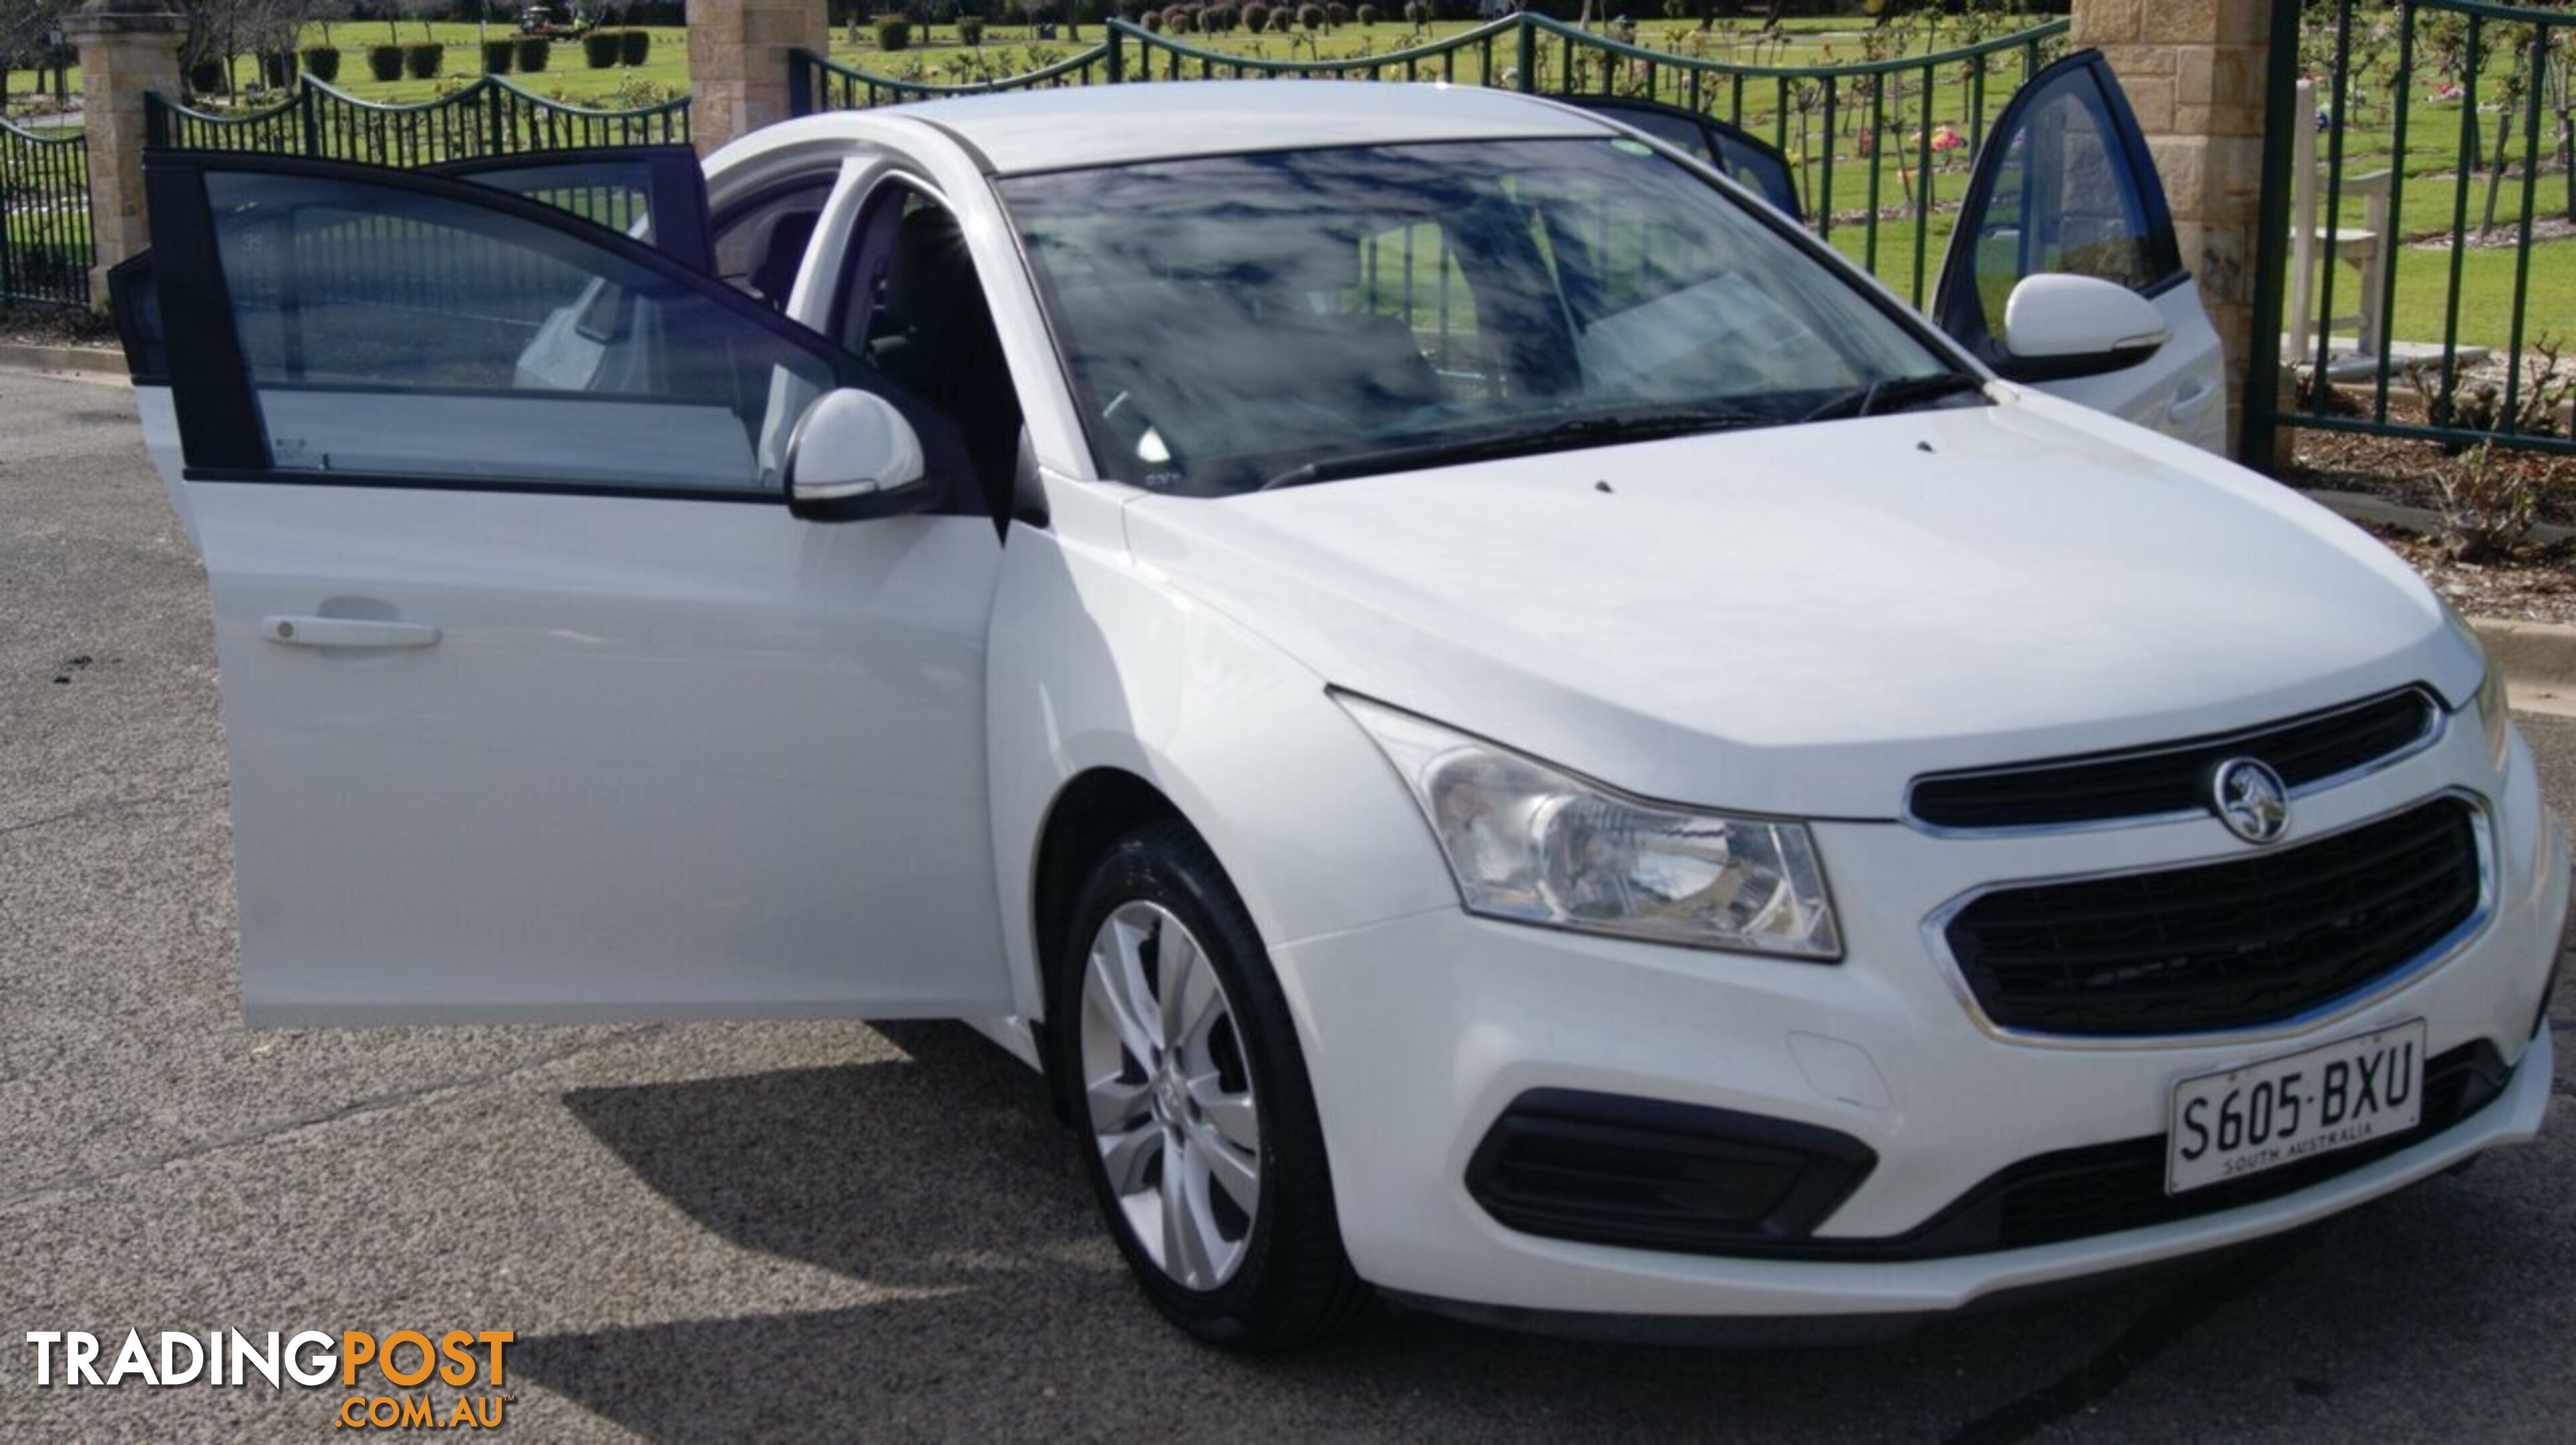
(828, 1230)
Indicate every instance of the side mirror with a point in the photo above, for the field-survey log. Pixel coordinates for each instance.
(853, 456)
(2060, 327)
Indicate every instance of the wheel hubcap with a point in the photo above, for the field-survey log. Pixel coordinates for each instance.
(1170, 1098)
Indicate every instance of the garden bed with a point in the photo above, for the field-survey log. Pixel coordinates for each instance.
(2536, 584)
(55, 326)
(2533, 581)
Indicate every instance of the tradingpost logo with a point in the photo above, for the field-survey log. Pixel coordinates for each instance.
(374, 1377)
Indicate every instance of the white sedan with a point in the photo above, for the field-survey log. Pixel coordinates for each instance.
(1503, 728)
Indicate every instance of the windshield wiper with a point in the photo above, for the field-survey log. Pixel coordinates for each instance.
(1558, 436)
(1895, 393)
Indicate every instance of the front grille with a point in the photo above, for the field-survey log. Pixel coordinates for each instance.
(2252, 941)
(2105, 787)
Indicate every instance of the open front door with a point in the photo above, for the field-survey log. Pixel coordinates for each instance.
(538, 702)
(2065, 185)
(1733, 151)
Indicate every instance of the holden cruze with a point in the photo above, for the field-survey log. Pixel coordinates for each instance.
(1503, 728)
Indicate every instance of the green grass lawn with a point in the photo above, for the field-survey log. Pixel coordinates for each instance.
(1809, 42)
(49, 253)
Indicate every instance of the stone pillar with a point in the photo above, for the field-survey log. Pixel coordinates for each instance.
(2195, 71)
(128, 48)
(738, 59)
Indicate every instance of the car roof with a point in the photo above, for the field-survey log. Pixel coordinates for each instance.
(1093, 125)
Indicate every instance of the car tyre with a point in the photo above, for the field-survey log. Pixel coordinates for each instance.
(1182, 1075)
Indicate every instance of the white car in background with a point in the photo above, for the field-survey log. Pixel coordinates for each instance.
(1505, 728)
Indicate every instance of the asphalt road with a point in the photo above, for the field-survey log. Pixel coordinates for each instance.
(717, 1233)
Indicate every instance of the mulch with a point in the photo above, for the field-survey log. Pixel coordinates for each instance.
(2537, 584)
(55, 326)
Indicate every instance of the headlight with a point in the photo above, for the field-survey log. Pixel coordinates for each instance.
(2494, 710)
(1535, 845)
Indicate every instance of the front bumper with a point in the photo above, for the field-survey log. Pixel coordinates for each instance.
(1421, 1032)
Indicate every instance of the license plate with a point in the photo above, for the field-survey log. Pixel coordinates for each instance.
(2280, 1111)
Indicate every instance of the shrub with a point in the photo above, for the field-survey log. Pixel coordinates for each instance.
(322, 62)
(385, 62)
(894, 32)
(1151, 20)
(277, 69)
(1367, 14)
(2488, 505)
(1337, 13)
(207, 77)
(1217, 19)
(970, 29)
(634, 47)
(424, 60)
(1311, 16)
(1417, 12)
(637, 93)
(497, 55)
(601, 49)
(2480, 405)
(1256, 18)
(535, 51)
(1180, 20)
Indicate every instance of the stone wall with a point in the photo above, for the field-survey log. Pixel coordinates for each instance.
(738, 62)
(128, 49)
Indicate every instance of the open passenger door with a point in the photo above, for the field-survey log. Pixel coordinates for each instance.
(2065, 186)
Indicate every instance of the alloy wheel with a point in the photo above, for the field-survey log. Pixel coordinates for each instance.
(1169, 1096)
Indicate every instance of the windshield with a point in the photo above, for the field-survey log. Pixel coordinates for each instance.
(1228, 320)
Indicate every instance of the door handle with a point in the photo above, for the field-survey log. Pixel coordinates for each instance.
(2190, 402)
(346, 632)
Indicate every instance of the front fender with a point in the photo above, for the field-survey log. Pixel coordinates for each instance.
(1097, 663)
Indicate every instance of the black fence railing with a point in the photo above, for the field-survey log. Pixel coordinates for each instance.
(489, 117)
(2417, 190)
(1883, 146)
(45, 244)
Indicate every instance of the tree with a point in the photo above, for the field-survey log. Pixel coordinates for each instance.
(24, 26)
(221, 30)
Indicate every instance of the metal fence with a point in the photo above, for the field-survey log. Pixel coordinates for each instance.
(488, 117)
(1883, 146)
(2438, 225)
(45, 245)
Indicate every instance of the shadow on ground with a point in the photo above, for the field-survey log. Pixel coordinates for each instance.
(944, 1180)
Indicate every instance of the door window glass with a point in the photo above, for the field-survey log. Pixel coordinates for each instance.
(2065, 202)
(653, 194)
(615, 194)
(388, 330)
